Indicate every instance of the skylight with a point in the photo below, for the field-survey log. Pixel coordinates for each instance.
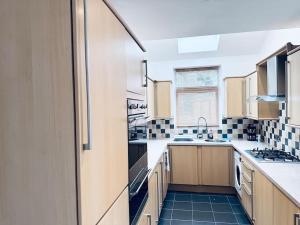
(198, 44)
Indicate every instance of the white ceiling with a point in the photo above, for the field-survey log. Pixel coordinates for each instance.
(247, 43)
(167, 19)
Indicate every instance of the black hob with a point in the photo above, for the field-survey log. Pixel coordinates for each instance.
(273, 155)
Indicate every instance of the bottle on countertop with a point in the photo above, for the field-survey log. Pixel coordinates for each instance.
(210, 135)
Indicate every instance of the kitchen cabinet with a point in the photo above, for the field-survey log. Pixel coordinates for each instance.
(135, 67)
(234, 105)
(107, 160)
(38, 161)
(263, 200)
(159, 99)
(247, 182)
(184, 165)
(293, 90)
(165, 175)
(215, 165)
(284, 209)
(256, 85)
(119, 212)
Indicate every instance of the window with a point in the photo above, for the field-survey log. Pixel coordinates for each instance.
(197, 95)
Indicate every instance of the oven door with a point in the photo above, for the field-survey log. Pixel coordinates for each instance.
(138, 195)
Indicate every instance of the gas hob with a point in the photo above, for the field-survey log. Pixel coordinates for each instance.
(273, 155)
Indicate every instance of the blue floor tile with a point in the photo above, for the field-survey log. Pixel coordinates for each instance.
(202, 206)
(183, 197)
(238, 209)
(164, 222)
(182, 215)
(166, 214)
(219, 199)
(225, 217)
(180, 222)
(182, 205)
(222, 207)
(200, 198)
(242, 219)
(168, 204)
(170, 196)
(233, 199)
(203, 216)
(202, 223)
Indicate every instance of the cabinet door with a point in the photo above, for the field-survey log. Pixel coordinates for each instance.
(159, 188)
(134, 67)
(234, 89)
(253, 93)
(38, 161)
(145, 218)
(284, 209)
(215, 165)
(153, 199)
(263, 200)
(104, 169)
(165, 175)
(293, 105)
(151, 99)
(184, 165)
(163, 99)
(119, 212)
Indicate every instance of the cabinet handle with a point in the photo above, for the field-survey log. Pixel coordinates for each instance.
(149, 219)
(289, 105)
(88, 145)
(145, 76)
(297, 219)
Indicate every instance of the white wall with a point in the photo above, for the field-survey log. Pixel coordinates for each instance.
(230, 65)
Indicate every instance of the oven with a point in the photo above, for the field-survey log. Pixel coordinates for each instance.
(137, 158)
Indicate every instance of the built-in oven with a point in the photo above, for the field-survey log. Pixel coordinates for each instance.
(137, 158)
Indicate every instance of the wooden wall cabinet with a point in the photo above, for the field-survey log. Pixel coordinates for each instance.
(135, 67)
(256, 85)
(234, 104)
(159, 99)
(293, 90)
(184, 165)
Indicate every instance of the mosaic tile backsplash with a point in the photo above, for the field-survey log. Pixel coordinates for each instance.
(279, 134)
(231, 128)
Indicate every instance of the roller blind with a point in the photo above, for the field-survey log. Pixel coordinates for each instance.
(196, 96)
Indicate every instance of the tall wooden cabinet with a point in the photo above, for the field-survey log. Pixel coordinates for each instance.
(37, 131)
(293, 90)
(63, 107)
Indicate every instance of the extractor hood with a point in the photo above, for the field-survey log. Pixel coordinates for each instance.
(276, 71)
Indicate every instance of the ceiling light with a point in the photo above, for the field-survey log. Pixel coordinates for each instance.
(198, 44)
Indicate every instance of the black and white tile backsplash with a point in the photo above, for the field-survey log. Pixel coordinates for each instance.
(231, 128)
(279, 134)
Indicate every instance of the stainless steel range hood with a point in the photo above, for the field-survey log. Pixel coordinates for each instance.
(276, 70)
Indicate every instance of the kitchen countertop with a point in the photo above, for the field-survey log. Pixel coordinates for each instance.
(285, 176)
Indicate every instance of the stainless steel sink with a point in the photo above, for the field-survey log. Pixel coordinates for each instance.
(183, 138)
(215, 140)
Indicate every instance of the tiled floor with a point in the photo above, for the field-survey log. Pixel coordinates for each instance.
(182, 208)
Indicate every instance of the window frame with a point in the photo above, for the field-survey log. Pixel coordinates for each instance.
(199, 89)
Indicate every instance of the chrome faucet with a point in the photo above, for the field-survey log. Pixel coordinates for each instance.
(200, 135)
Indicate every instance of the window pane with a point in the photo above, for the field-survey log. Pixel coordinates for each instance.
(197, 78)
(192, 105)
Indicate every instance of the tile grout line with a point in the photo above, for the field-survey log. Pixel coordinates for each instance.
(232, 210)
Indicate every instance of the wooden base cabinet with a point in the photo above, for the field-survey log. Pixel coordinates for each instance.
(184, 165)
(284, 209)
(201, 165)
(263, 200)
(215, 165)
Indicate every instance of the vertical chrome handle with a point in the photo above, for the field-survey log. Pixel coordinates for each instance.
(149, 219)
(145, 76)
(297, 219)
(88, 145)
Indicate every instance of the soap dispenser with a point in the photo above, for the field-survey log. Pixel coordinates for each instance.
(210, 135)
